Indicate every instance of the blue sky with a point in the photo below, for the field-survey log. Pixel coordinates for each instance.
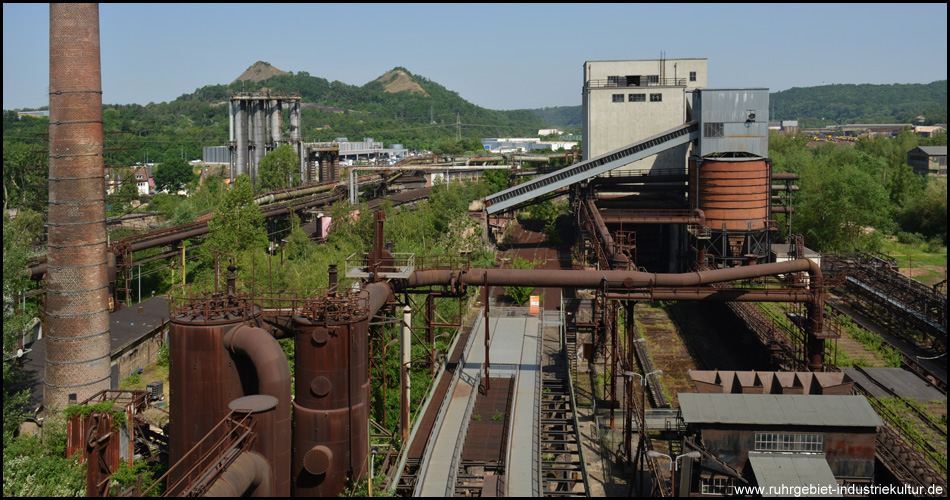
(499, 56)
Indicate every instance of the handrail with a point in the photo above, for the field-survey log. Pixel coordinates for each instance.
(417, 418)
(577, 425)
(237, 435)
(463, 433)
(536, 443)
(424, 466)
(624, 82)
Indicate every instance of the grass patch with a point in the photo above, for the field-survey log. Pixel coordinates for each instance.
(926, 257)
(872, 342)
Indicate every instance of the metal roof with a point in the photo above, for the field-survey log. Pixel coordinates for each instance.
(934, 150)
(778, 409)
(786, 472)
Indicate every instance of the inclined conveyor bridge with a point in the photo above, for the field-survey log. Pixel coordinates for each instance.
(511, 197)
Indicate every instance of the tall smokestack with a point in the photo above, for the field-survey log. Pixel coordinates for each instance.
(77, 311)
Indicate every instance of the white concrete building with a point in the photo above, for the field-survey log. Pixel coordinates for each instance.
(627, 101)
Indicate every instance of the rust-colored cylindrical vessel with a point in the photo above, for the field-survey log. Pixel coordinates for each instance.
(77, 309)
(734, 193)
(331, 405)
(203, 378)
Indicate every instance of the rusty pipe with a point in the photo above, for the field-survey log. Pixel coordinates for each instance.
(617, 257)
(273, 379)
(714, 295)
(377, 295)
(247, 474)
(615, 279)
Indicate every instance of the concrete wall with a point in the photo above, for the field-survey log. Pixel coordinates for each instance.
(137, 354)
(609, 125)
(600, 70)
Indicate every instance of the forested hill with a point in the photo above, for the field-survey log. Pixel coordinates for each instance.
(865, 103)
(397, 107)
(829, 105)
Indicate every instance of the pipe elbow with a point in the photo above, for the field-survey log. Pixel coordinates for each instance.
(270, 362)
(248, 474)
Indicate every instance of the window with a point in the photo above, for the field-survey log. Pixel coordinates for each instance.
(653, 79)
(692, 76)
(618, 97)
(717, 485)
(712, 130)
(770, 441)
(613, 81)
(656, 97)
(637, 98)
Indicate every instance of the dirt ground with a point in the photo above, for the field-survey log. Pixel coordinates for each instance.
(667, 349)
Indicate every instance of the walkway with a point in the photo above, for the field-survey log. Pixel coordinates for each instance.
(514, 352)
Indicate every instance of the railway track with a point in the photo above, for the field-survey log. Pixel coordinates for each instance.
(562, 466)
(563, 470)
(935, 378)
(905, 463)
(657, 394)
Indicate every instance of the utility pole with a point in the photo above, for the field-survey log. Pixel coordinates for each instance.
(458, 128)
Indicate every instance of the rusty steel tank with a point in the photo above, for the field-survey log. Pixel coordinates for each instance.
(735, 195)
(331, 389)
(203, 376)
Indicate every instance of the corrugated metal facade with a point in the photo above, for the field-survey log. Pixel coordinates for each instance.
(733, 120)
(215, 154)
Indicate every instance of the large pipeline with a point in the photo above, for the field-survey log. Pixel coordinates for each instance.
(272, 197)
(614, 279)
(77, 313)
(248, 473)
(273, 379)
(621, 281)
(617, 258)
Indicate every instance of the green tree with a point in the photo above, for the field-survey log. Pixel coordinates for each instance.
(520, 294)
(18, 236)
(238, 224)
(22, 168)
(173, 175)
(279, 169)
(927, 214)
(839, 206)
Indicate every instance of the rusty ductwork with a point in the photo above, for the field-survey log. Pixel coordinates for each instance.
(631, 281)
(77, 311)
(248, 474)
(615, 279)
(273, 379)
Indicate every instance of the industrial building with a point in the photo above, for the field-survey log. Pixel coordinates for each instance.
(928, 160)
(773, 440)
(524, 144)
(627, 101)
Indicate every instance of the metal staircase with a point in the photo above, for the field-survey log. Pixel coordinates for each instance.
(530, 190)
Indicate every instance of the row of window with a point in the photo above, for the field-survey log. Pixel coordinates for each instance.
(772, 441)
(638, 98)
(717, 485)
(634, 80)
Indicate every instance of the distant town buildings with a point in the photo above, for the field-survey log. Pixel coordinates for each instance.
(928, 160)
(21, 114)
(785, 127)
(524, 144)
(549, 131)
(930, 131)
